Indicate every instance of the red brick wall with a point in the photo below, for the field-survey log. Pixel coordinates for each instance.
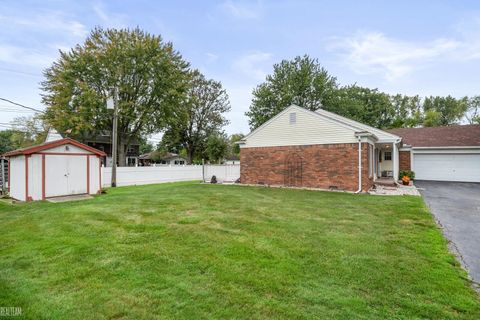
(322, 166)
(404, 160)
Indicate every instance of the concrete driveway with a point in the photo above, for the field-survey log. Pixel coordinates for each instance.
(456, 205)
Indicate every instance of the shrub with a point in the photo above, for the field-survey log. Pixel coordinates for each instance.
(407, 173)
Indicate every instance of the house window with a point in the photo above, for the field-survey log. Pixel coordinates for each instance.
(387, 155)
(293, 118)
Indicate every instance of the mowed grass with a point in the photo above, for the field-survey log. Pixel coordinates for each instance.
(189, 250)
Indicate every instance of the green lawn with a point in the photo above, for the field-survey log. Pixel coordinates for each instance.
(187, 250)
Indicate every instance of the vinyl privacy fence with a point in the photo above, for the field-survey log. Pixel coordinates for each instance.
(128, 176)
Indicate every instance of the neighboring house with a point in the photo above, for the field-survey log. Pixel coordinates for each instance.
(232, 160)
(450, 153)
(53, 135)
(168, 158)
(103, 142)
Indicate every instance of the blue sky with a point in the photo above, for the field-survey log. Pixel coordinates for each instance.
(410, 47)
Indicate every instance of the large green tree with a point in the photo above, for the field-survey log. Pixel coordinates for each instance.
(301, 81)
(217, 147)
(473, 113)
(234, 146)
(147, 74)
(407, 111)
(201, 115)
(365, 105)
(6, 141)
(443, 111)
(28, 131)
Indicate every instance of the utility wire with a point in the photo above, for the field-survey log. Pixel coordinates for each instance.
(21, 105)
(21, 72)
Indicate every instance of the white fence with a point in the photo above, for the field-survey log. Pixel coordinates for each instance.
(127, 176)
(227, 173)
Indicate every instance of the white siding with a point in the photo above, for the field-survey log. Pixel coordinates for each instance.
(381, 135)
(17, 177)
(308, 129)
(63, 149)
(94, 174)
(35, 176)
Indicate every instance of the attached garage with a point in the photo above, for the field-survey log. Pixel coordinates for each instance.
(59, 168)
(450, 153)
(447, 166)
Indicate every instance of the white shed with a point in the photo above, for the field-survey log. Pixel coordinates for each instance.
(57, 168)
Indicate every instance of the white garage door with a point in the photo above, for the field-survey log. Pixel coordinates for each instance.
(65, 175)
(447, 167)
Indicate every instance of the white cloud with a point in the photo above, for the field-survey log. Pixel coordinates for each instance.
(50, 21)
(374, 52)
(112, 20)
(211, 57)
(242, 10)
(23, 56)
(253, 65)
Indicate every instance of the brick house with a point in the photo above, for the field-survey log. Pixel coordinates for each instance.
(318, 149)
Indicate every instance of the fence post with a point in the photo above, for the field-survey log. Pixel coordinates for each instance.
(203, 170)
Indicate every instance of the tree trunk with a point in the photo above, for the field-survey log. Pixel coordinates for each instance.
(190, 154)
(122, 161)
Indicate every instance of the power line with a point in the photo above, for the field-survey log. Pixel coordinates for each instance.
(8, 109)
(21, 105)
(21, 72)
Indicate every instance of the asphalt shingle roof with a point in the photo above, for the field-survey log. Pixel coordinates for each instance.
(448, 136)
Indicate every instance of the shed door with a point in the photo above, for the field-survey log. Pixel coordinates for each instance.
(65, 175)
(447, 167)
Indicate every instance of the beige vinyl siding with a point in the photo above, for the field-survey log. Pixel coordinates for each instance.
(308, 129)
(381, 135)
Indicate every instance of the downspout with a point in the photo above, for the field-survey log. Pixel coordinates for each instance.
(359, 165)
(397, 162)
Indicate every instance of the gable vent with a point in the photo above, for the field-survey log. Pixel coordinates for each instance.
(293, 118)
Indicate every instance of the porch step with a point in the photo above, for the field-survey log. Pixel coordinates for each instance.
(386, 183)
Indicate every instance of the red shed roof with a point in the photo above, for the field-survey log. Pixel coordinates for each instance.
(53, 144)
(449, 136)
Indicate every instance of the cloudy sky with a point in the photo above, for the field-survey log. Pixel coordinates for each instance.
(411, 47)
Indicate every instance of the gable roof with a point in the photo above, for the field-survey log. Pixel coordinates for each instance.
(53, 135)
(53, 144)
(381, 134)
(353, 125)
(448, 136)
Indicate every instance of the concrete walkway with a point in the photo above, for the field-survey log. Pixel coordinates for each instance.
(456, 206)
(70, 198)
